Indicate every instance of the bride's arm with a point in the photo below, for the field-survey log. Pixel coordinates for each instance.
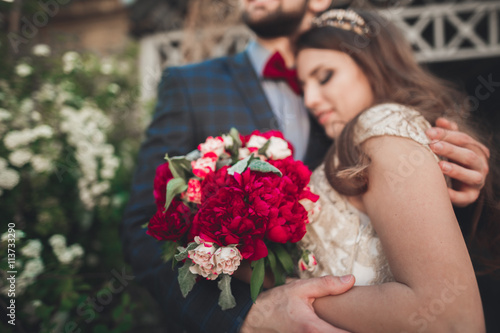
(435, 288)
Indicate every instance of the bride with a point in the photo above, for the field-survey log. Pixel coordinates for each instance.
(385, 215)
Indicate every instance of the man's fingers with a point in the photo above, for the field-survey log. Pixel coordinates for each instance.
(459, 155)
(446, 124)
(463, 198)
(321, 326)
(472, 178)
(324, 286)
(458, 139)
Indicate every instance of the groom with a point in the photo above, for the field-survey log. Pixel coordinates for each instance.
(251, 90)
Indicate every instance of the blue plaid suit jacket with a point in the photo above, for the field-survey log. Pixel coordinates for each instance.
(194, 102)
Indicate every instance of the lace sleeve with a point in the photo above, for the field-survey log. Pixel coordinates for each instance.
(392, 119)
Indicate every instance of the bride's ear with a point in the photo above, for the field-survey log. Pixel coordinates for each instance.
(318, 6)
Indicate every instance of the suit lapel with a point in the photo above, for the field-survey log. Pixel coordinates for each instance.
(251, 90)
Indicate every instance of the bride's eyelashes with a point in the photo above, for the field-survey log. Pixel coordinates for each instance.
(325, 76)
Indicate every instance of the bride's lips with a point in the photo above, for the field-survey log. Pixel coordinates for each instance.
(323, 116)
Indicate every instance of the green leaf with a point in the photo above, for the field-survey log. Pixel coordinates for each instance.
(233, 132)
(100, 328)
(279, 278)
(226, 298)
(183, 251)
(284, 258)
(262, 150)
(194, 155)
(182, 166)
(186, 278)
(235, 148)
(126, 299)
(169, 249)
(174, 187)
(257, 278)
(240, 166)
(117, 312)
(262, 166)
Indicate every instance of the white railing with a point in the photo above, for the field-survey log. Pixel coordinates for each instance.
(438, 32)
(449, 32)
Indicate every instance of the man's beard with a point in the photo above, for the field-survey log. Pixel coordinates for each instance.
(276, 24)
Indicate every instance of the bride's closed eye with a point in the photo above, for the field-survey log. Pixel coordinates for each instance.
(325, 76)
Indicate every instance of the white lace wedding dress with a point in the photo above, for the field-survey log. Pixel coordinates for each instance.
(340, 236)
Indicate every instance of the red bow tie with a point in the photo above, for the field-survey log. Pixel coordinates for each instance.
(275, 68)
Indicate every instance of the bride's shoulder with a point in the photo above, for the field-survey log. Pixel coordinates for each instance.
(391, 119)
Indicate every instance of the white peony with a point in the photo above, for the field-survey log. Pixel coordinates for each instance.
(228, 140)
(256, 141)
(278, 149)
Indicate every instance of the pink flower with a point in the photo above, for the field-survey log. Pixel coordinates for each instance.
(203, 166)
(203, 259)
(308, 262)
(194, 191)
(311, 204)
(215, 145)
(227, 259)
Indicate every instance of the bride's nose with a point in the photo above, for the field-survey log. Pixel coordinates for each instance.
(312, 97)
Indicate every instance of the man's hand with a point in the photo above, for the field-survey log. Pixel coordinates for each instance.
(288, 308)
(467, 161)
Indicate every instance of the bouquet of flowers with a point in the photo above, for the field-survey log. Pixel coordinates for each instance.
(235, 197)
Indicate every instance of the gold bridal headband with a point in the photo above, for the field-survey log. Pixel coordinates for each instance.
(342, 19)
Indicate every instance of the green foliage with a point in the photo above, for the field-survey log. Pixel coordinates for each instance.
(70, 128)
(257, 279)
(226, 298)
(186, 278)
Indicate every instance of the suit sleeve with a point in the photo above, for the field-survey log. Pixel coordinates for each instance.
(172, 130)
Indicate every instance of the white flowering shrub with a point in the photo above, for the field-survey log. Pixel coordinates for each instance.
(70, 126)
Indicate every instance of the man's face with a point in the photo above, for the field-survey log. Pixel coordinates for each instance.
(274, 18)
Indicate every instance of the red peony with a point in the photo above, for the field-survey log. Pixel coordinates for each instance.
(172, 224)
(296, 171)
(288, 223)
(163, 175)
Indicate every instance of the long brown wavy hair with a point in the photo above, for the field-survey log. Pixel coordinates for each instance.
(387, 60)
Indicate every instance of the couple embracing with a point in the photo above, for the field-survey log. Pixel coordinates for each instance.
(387, 242)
